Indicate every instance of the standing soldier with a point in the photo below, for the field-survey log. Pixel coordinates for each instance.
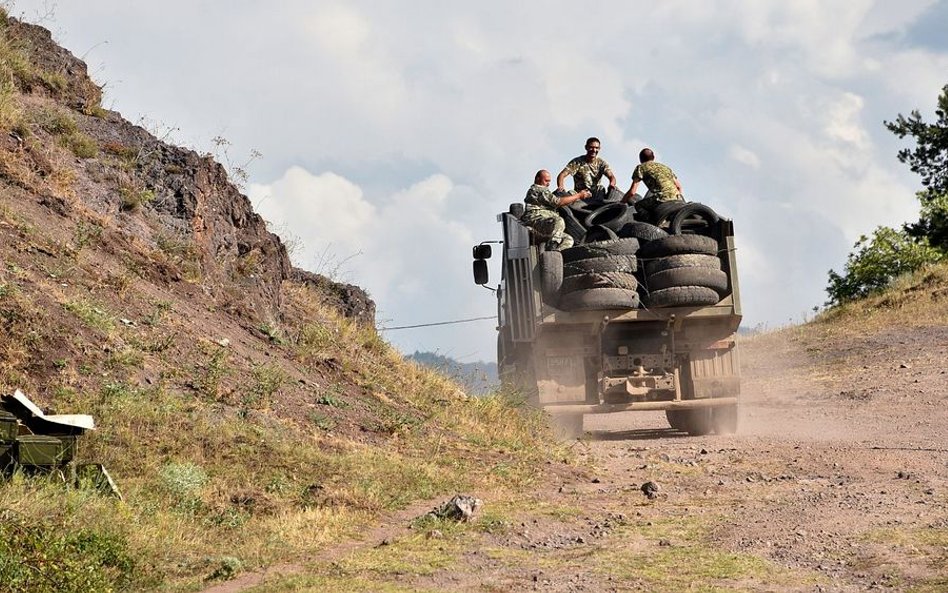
(587, 171)
(541, 215)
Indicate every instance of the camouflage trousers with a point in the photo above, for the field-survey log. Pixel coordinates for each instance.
(552, 228)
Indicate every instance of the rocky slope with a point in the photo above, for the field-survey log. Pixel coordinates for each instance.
(249, 410)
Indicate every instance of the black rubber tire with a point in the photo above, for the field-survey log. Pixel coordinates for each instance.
(679, 244)
(599, 280)
(601, 249)
(690, 211)
(665, 211)
(688, 276)
(613, 216)
(642, 231)
(688, 260)
(677, 420)
(595, 234)
(516, 209)
(724, 419)
(694, 226)
(581, 209)
(551, 276)
(573, 227)
(599, 298)
(612, 263)
(698, 421)
(615, 195)
(682, 296)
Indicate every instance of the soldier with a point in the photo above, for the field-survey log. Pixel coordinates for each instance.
(587, 171)
(540, 213)
(662, 184)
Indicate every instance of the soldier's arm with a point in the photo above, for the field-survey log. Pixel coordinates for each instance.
(678, 185)
(628, 195)
(610, 175)
(561, 178)
(582, 195)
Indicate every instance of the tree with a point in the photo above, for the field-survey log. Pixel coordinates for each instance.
(888, 253)
(930, 160)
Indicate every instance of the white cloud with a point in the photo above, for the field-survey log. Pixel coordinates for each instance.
(397, 131)
(745, 156)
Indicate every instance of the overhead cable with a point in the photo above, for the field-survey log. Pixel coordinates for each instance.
(382, 329)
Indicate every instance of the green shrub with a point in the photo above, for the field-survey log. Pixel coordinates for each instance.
(878, 260)
(44, 558)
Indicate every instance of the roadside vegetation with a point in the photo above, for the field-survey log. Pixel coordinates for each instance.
(889, 253)
(241, 433)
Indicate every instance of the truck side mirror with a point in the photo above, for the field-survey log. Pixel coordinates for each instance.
(482, 251)
(481, 275)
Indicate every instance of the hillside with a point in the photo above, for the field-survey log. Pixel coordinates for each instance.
(249, 410)
(836, 481)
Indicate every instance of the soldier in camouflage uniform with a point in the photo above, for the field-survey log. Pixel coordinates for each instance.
(662, 184)
(540, 212)
(587, 170)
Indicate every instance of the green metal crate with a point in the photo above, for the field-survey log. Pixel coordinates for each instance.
(8, 426)
(36, 449)
(6, 454)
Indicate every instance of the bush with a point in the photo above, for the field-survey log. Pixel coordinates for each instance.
(40, 558)
(876, 261)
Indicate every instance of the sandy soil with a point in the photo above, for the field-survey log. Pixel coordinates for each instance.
(836, 481)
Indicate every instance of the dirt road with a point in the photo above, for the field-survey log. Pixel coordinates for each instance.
(837, 481)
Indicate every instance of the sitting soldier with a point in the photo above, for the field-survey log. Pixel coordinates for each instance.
(541, 215)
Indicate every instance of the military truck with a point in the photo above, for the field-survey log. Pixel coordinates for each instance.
(637, 316)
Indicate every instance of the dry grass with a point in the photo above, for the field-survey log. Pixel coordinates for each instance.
(913, 300)
(230, 455)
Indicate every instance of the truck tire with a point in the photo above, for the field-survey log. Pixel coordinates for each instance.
(598, 233)
(724, 419)
(573, 227)
(614, 195)
(688, 260)
(642, 231)
(676, 419)
(698, 422)
(551, 276)
(690, 276)
(664, 211)
(692, 211)
(600, 298)
(678, 245)
(612, 263)
(599, 280)
(596, 249)
(613, 216)
(682, 296)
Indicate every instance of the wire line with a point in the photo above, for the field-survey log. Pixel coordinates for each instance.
(383, 329)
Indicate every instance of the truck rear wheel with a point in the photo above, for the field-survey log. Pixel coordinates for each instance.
(696, 422)
(725, 419)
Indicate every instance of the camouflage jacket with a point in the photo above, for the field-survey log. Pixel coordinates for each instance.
(541, 203)
(659, 179)
(587, 175)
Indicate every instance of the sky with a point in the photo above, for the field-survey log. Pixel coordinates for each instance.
(392, 133)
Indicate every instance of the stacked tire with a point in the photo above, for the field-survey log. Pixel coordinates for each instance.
(600, 275)
(682, 271)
